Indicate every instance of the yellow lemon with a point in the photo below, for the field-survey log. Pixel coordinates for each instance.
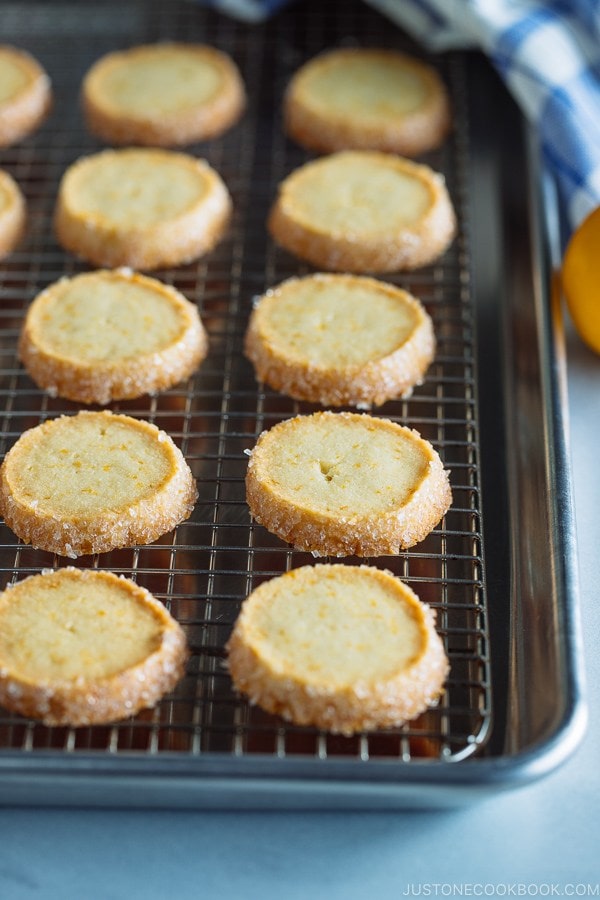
(581, 279)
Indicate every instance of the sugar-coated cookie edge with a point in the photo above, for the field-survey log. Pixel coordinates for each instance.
(410, 247)
(142, 523)
(378, 535)
(388, 703)
(414, 133)
(170, 243)
(79, 703)
(207, 121)
(371, 384)
(101, 382)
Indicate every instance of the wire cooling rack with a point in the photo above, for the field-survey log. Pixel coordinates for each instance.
(204, 569)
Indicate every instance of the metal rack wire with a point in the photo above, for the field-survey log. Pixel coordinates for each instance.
(204, 569)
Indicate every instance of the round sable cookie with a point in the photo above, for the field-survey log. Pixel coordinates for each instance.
(83, 647)
(359, 211)
(94, 482)
(367, 99)
(13, 214)
(344, 648)
(162, 95)
(110, 335)
(340, 340)
(141, 208)
(25, 95)
(343, 484)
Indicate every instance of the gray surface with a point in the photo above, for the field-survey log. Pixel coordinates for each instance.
(542, 835)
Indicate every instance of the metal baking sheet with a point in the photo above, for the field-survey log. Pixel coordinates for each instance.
(499, 569)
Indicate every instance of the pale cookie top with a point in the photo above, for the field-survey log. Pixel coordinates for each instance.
(73, 625)
(136, 188)
(79, 465)
(342, 464)
(373, 85)
(108, 316)
(159, 79)
(335, 626)
(334, 321)
(18, 71)
(355, 193)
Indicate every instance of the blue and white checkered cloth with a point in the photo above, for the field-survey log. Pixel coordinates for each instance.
(547, 52)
